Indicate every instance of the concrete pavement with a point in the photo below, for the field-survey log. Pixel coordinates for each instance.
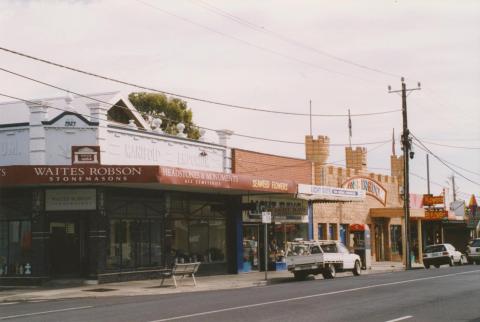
(153, 287)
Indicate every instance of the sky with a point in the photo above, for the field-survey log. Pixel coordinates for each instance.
(275, 55)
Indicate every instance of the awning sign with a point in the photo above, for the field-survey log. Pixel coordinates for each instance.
(312, 192)
(371, 187)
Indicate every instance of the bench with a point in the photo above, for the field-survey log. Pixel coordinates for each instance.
(180, 270)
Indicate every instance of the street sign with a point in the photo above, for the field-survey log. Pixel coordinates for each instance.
(266, 217)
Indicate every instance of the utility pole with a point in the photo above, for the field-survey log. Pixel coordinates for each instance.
(428, 175)
(407, 154)
(454, 191)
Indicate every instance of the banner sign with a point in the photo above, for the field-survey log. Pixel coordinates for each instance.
(207, 179)
(312, 192)
(15, 175)
(431, 200)
(371, 187)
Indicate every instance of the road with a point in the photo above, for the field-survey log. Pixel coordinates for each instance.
(445, 294)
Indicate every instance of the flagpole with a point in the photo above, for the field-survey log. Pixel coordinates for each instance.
(310, 117)
(349, 129)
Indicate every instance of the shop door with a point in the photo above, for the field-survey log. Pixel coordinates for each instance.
(380, 241)
(251, 236)
(65, 249)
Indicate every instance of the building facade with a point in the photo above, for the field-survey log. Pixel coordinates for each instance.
(381, 210)
(89, 188)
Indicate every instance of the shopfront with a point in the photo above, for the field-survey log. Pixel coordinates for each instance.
(289, 221)
(155, 217)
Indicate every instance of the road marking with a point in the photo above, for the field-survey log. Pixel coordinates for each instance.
(309, 296)
(8, 303)
(401, 318)
(44, 312)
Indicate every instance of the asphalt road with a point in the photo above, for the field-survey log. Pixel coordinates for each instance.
(445, 294)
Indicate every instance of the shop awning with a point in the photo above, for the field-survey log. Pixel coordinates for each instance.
(131, 175)
(395, 212)
(358, 227)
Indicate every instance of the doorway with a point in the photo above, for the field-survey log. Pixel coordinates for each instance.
(380, 239)
(67, 249)
(251, 261)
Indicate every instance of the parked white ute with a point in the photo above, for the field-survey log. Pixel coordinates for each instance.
(324, 257)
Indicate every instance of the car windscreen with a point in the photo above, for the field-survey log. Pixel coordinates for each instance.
(434, 249)
(476, 243)
(329, 248)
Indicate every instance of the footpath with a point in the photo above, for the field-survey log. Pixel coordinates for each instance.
(153, 287)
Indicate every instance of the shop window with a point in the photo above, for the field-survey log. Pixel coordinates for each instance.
(3, 247)
(114, 252)
(134, 243)
(217, 244)
(344, 234)
(196, 240)
(332, 232)
(396, 239)
(15, 247)
(143, 243)
(322, 230)
(156, 251)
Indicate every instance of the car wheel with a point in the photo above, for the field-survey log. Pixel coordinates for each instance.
(451, 262)
(330, 272)
(437, 265)
(300, 276)
(357, 270)
(427, 266)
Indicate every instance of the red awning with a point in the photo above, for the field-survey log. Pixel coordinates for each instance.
(357, 227)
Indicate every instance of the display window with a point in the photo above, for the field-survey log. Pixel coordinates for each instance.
(15, 247)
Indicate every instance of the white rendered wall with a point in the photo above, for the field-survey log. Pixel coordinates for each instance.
(14, 146)
(137, 148)
(65, 132)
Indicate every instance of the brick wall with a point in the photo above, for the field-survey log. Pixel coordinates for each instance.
(270, 166)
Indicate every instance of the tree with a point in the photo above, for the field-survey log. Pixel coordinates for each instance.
(174, 110)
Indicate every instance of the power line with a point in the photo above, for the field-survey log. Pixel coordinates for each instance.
(49, 62)
(294, 42)
(453, 146)
(426, 149)
(265, 49)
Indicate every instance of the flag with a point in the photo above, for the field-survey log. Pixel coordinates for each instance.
(393, 142)
(349, 128)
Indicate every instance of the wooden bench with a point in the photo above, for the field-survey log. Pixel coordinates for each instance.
(180, 270)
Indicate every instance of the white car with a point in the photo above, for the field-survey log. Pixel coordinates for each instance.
(440, 254)
(473, 251)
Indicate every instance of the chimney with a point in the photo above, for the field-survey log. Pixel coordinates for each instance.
(223, 136)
